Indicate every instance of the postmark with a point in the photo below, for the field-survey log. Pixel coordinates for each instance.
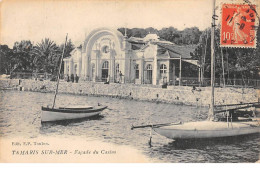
(238, 25)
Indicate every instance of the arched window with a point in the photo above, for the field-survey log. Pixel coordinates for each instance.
(105, 65)
(137, 71)
(149, 67)
(93, 71)
(105, 68)
(105, 49)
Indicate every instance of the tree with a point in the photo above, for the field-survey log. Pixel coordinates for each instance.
(6, 55)
(169, 34)
(46, 56)
(125, 30)
(191, 35)
(187, 36)
(238, 62)
(22, 57)
(138, 32)
(151, 30)
(68, 49)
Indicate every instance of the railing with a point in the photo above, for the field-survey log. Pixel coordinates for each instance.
(190, 81)
(185, 81)
(36, 76)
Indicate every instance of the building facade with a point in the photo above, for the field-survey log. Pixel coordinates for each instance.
(107, 55)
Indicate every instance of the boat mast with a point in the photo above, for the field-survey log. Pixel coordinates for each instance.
(211, 109)
(58, 80)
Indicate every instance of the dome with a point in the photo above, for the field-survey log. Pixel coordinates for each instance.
(101, 32)
(151, 37)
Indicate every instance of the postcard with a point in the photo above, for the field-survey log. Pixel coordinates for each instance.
(109, 81)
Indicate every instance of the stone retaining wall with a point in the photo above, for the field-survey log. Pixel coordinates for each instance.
(173, 94)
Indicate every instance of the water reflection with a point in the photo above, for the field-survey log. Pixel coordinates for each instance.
(202, 144)
(240, 148)
(71, 121)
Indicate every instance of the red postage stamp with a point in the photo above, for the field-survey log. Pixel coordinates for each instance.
(238, 26)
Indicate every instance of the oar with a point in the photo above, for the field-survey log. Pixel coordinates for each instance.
(36, 116)
(155, 125)
(99, 104)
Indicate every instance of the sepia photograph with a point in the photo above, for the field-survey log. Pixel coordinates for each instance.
(121, 81)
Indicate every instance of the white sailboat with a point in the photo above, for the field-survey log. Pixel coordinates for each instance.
(211, 128)
(208, 129)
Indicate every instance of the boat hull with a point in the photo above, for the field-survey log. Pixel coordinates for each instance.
(49, 115)
(193, 130)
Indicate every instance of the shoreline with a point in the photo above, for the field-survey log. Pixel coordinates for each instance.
(179, 95)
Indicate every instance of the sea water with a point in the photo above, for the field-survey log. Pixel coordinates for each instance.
(20, 116)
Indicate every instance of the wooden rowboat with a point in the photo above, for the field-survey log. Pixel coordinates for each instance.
(70, 113)
(208, 129)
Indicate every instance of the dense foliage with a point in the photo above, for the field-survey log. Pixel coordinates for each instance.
(44, 56)
(187, 36)
(238, 62)
(26, 57)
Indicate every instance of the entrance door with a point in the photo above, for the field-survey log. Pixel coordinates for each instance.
(105, 69)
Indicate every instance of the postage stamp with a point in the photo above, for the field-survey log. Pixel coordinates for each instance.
(238, 25)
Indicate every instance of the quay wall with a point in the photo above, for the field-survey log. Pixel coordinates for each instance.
(172, 94)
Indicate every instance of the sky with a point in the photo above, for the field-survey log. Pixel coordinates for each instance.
(38, 19)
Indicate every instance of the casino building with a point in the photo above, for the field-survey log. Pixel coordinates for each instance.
(107, 54)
